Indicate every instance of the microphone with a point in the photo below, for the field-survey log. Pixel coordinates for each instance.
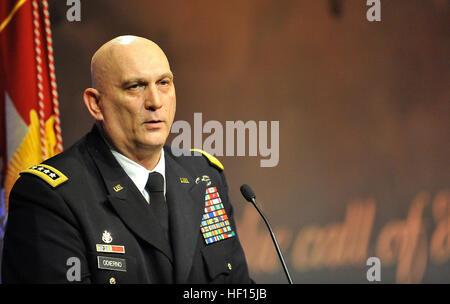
(250, 196)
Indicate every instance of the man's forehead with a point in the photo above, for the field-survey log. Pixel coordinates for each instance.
(136, 55)
(130, 57)
(141, 67)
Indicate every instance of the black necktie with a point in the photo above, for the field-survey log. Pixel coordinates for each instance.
(155, 188)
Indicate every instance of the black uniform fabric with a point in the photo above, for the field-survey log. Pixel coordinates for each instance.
(47, 226)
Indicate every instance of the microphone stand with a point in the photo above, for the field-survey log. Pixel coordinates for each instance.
(286, 271)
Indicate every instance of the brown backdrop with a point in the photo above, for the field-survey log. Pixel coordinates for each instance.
(363, 109)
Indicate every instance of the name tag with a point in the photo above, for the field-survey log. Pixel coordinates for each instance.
(111, 263)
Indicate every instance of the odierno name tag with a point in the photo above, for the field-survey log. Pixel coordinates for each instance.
(111, 263)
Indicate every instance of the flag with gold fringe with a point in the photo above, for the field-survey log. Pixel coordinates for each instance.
(29, 114)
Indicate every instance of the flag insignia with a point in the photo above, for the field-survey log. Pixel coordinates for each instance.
(215, 224)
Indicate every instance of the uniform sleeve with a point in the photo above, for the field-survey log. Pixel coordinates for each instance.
(239, 273)
(42, 243)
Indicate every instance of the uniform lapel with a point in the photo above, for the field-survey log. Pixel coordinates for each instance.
(124, 197)
(186, 202)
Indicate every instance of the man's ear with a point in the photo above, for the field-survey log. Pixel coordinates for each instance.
(91, 99)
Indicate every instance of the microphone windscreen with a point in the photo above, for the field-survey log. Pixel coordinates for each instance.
(247, 192)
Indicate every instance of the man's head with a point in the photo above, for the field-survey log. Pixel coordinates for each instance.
(132, 96)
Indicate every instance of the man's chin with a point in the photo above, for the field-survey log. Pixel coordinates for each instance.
(154, 143)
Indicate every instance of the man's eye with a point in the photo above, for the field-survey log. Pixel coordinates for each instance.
(135, 86)
(164, 82)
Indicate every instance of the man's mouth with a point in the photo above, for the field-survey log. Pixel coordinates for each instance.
(154, 124)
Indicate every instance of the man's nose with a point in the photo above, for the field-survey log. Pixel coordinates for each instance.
(153, 100)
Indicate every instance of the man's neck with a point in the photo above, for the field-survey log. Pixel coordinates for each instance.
(147, 157)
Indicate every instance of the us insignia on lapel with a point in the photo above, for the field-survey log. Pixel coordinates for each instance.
(184, 180)
(215, 224)
(118, 187)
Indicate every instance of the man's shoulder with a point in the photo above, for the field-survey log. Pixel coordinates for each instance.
(194, 158)
(60, 168)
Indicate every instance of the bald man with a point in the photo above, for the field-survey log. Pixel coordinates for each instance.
(118, 206)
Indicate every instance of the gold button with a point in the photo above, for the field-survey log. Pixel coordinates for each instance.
(112, 280)
(229, 266)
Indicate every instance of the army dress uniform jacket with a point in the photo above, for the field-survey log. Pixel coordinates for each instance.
(82, 210)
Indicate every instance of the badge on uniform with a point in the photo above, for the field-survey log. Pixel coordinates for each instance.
(107, 238)
(205, 179)
(110, 248)
(184, 180)
(49, 174)
(108, 263)
(215, 224)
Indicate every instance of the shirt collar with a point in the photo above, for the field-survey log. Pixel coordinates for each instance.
(138, 173)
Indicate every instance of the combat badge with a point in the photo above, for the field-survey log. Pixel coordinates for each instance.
(215, 224)
(205, 179)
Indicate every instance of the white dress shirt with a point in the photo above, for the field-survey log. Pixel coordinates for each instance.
(139, 174)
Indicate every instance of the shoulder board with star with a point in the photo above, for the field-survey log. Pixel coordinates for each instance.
(212, 160)
(51, 175)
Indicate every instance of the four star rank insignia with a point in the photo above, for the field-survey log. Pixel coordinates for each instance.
(49, 174)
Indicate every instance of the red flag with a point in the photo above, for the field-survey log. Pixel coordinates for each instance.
(29, 112)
